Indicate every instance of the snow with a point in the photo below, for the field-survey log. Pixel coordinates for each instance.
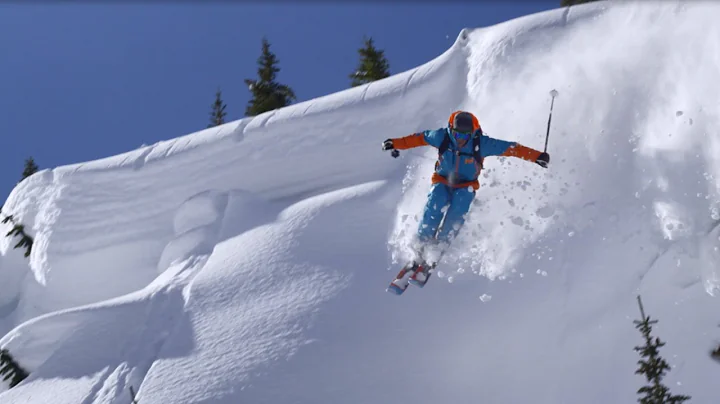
(248, 262)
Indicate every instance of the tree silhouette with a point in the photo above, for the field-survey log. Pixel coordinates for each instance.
(652, 365)
(30, 168)
(267, 93)
(217, 114)
(373, 65)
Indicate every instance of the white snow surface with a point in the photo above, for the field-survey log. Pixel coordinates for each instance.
(248, 263)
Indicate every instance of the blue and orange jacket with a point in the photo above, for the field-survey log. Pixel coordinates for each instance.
(463, 167)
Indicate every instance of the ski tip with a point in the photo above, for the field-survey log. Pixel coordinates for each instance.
(394, 289)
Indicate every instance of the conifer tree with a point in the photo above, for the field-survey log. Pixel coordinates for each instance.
(10, 370)
(267, 93)
(217, 114)
(653, 366)
(716, 353)
(30, 168)
(373, 65)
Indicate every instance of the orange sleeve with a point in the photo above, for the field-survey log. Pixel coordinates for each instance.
(522, 152)
(408, 142)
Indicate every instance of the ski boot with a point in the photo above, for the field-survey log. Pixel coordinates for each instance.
(421, 275)
(400, 283)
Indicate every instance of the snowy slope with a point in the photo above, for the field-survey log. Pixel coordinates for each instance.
(247, 263)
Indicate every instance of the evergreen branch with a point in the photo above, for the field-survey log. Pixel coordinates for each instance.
(27, 242)
(19, 230)
(8, 219)
(716, 353)
(5, 369)
(10, 369)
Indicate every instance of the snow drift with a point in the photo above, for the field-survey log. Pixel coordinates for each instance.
(247, 262)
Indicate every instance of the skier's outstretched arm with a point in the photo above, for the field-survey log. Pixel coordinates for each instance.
(425, 138)
(502, 148)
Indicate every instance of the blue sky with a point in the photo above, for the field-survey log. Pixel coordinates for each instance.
(81, 82)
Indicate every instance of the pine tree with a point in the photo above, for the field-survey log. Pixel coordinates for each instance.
(10, 370)
(373, 65)
(653, 366)
(217, 115)
(267, 93)
(716, 353)
(30, 168)
(565, 3)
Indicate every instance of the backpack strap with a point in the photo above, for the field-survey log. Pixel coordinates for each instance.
(476, 149)
(445, 145)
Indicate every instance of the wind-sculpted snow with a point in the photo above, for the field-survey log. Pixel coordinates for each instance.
(94, 220)
(248, 262)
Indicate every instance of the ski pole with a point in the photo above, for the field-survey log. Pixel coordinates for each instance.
(553, 94)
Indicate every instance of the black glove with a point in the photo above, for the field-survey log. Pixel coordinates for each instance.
(388, 145)
(543, 160)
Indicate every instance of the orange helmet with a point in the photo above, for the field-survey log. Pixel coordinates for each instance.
(463, 121)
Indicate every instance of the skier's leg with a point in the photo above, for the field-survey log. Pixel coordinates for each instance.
(461, 199)
(436, 208)
(438, 198)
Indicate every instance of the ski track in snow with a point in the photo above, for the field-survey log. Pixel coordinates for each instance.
(247, 262)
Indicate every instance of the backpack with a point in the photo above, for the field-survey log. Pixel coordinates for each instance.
(445, 144)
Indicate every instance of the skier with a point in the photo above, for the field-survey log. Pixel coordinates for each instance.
(462, 147)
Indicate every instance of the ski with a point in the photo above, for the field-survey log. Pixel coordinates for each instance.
(402, 280)
(412, 273)
(416, 272)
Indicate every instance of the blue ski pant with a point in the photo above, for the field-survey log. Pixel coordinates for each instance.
(453, 204)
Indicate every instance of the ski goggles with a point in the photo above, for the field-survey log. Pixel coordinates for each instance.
(461, 135)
